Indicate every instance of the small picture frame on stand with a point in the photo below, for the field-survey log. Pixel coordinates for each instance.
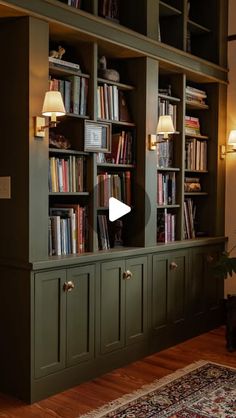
(97, 136)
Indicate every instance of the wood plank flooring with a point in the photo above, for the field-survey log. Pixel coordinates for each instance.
(90, 395)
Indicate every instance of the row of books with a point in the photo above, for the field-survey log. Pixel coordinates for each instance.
(114, 185)
(73, 3)
(66, 174)
(167, 108)
(109, 9)
(195, 95)
(112, 104)
(74, 91)
(192, 125)
(165, 154)
(68, 229)
(189, 218)
(103, 234)
(195, 154)
(166, 185)
(165, 226)
(121, 148)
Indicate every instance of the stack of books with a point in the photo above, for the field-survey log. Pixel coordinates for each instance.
(67, 65)
(192, 125)
(195, 95)
(192, 184)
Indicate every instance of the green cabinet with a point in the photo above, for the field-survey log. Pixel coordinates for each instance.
(122, 305)
(169, 290)
(64, 318)
(205, 290)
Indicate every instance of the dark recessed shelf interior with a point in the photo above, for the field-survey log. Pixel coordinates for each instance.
(166, 10)
(197, 29)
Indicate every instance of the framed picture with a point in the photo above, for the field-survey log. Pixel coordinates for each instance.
(97, 136)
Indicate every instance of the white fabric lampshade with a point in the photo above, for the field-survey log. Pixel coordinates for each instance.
(53, 104)
(165, 125)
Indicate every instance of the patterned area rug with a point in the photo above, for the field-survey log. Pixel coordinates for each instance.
(200, 390)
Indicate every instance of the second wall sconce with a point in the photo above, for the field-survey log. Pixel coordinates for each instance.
(165, 127)
(224, 149)
(53, 106)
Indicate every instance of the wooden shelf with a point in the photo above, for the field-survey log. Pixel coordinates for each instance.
(122, 86)
(195, 194)
(69, 194)
(169, 98)
(168, 169)
(196, 28)
(73, 115)
(168, 206)
(196, 136)
(196, 171)
(67, 151)
(55, 69)
(165, 10)
(117, 122)
(195, 105)
(115, 166)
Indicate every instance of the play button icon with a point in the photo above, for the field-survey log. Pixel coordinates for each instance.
(117, 209)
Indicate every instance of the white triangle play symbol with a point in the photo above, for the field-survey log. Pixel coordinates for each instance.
(117, 209)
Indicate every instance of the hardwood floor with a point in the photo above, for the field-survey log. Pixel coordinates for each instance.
(90, 395)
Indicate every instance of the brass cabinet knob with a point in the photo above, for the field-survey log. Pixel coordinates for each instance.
(127, 275)
(173, 265)
(68, 286)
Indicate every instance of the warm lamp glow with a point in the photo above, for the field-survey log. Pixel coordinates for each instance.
(165, 126)
(232, 138)
(53, 105)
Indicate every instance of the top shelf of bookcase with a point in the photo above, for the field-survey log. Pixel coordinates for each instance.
(121, 86)
(65, 72)
(169, 98)
(165, 10)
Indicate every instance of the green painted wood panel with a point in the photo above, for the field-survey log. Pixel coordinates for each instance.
(50, 304)
(214, 286)
(80, 315)
(177, 286)
(136, 300)
(197, 282)
(159, 291)
(112, 288)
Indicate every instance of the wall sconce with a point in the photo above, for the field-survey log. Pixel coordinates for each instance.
(164, 127)
(231, 142)
(53, 106)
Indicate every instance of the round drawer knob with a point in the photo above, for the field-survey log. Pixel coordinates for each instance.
(127, 275)
(68, 286)
(173, 265)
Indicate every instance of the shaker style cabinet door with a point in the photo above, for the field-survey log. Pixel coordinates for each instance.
(49, 337)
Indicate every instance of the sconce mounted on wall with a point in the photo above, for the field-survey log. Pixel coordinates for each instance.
(231, 142)
(165, 127)
(53, 106)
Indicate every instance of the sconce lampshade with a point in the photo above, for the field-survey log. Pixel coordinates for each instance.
(53, 104)
(165, 125)
(232, 138)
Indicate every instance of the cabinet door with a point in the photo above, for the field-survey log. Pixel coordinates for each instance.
(80, 315)
(50, 304)
(159, 309)
(197, 283)
(135, 299)
(177, 286)
(214, 286)
(112, 288)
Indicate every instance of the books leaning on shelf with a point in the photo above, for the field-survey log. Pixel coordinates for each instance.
(67, 65)
(112, 103)
(189, 218)
(166, 184)
(109, 9)
(165, 226)
(66, 174)
(165, 154)
(195, 154)
(68, 229)
(121, 149)
(192, 125)
(114, 185)
(195, 95)
(74, 91)
(103, 235)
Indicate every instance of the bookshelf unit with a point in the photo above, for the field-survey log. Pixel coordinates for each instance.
(93, 308)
